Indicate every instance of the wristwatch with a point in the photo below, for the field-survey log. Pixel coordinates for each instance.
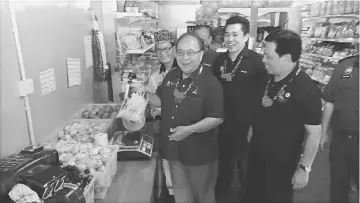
(305, 168)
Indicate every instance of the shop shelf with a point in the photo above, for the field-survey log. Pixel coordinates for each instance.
(343, 40)
(128, 14)
(351, 16)
(139, 51)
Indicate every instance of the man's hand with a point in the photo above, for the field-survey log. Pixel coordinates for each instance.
(179, 133)
(300, 179)
(324, 140)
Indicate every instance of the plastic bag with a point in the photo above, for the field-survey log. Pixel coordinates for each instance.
(323, 8)
(349, 6)
(329, 6)
(333, 29)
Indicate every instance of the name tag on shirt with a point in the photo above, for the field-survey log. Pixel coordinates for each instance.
(347, 76)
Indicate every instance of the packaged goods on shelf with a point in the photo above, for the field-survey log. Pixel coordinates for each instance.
(315, 9)
(137, 40)
(130, 41)
(356, 7)
(322, 11)
(349, 6)
(329, 6)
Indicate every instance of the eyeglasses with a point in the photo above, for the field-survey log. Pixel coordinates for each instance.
(165, 50)
(188, 53)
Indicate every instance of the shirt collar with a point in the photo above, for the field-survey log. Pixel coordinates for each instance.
(285, 80)
(244, 52)
(193, 75)
(163, 69)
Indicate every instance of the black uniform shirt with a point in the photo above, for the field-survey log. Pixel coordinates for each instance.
(209, 58)
(343, 91)
(242, 96)
(279, 129)
(203, 100)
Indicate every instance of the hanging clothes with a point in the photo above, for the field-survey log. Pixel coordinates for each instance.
(98, 49)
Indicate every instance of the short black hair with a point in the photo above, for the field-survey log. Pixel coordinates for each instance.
(287, 42)
(199, 40)
(198, 27)
(245, 24)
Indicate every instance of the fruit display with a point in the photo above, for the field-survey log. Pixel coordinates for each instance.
(100, 111)
(85, 156)
(82, 132)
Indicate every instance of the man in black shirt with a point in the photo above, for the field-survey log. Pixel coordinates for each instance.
(210, 54)
(291, 107)
(191, 109)
(243, 76)
(341, 109)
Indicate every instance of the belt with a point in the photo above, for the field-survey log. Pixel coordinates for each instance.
(351, 135)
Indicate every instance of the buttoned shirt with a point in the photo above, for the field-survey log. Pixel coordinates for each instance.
(202, 100)
(242, 96)
(343, 91)
(209, 57)
(155, 80)
(279, 130)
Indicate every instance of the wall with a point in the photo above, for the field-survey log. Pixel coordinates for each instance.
(175, 16)
(49, 34)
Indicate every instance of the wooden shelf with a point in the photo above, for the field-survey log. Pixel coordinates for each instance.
(139, 51)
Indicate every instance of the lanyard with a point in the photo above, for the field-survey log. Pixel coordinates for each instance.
(282, 88)
(235, 68)
(180, 96)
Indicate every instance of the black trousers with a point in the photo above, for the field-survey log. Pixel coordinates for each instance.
(233, 147)
(344, 165)
(269, 178)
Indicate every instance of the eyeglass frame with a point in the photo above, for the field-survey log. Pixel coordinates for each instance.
(166, 50)
(188, 53)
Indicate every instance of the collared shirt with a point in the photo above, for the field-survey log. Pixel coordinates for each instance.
(155, 80)
(279, 130)
(343, 91)
(242, 96)
(202, 100)
(209, 57)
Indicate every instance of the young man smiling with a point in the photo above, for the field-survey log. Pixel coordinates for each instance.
(243, 76)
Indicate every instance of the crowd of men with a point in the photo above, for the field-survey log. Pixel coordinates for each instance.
(253, 117)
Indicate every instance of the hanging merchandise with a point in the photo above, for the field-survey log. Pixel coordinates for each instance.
(98, 49)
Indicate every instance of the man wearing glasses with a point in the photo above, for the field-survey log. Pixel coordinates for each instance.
(164, 43)
(191, 101)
